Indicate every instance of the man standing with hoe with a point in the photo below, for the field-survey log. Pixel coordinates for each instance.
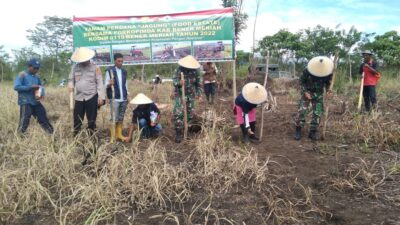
(368, 69)
(117, 94)
(187, 87)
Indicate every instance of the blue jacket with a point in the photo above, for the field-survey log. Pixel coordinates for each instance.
(23, 85)
(245, 105)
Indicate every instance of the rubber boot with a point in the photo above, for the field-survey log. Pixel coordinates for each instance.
(297, 135)
(313, 135)
(212, 99)
(112, 133)
(119, 134)
(245, 134)
(178, 136)
(253, 129)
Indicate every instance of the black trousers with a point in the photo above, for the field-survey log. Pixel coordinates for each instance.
(209, 90)
(369, 94)
(38, 112)
(88, 107)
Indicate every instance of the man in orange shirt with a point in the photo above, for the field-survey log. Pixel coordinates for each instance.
(371, 77)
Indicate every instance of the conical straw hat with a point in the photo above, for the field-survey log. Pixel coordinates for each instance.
(189, 62)
(141, 99)
(320, 66)
(254, 93)
(82, 54)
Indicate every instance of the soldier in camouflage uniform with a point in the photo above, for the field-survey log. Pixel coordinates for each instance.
(189, 67)
(315, 78)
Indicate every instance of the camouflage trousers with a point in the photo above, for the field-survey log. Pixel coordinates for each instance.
(317, 102)
(178, 111)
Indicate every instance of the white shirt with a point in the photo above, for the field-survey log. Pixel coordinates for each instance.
(119, 77)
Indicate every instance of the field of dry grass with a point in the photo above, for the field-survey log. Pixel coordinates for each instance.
(210, 179)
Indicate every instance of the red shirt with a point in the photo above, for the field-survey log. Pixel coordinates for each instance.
(370, 79)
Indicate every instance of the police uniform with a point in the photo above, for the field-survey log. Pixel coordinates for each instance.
(87, 81)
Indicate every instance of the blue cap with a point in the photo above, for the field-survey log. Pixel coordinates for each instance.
(34, 63)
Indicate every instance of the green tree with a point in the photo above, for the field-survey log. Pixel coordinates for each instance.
(350, 40)
(5, 66)
(387, 47)
(52, 36)
(310, 42)
(242, 57)
(22, 56)
(239, 16)
(281, 43)
(320, 41)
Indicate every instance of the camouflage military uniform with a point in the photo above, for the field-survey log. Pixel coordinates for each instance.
(192, 89)
(315, 86)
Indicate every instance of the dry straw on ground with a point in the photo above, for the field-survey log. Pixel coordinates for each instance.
(42, 174)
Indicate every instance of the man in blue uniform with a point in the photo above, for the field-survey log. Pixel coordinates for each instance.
(26, 84)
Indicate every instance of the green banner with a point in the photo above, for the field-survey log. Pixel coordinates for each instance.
(207, 35)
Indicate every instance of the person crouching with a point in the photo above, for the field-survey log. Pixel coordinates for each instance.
(245, 109)
(146, 115)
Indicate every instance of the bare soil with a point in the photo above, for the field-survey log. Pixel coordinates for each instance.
(315, 165)
(304, 161)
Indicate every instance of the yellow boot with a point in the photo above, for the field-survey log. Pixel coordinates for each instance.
(112, 133)
(119, 132)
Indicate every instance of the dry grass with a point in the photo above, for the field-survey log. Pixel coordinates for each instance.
(368, 179)
(378, 131)
(364, 177)
(377, 135)
(41, 174)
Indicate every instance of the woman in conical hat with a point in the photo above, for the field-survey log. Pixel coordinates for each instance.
(189, 67)
(146, 115)
(246, 102)
(315, 78)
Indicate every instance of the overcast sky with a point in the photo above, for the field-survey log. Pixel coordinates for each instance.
(366, 15)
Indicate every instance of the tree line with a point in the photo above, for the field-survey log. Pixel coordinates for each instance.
(52, 44)
(307, 43)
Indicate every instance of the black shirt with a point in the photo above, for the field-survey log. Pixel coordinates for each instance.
(143, 112)
(157, 80)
